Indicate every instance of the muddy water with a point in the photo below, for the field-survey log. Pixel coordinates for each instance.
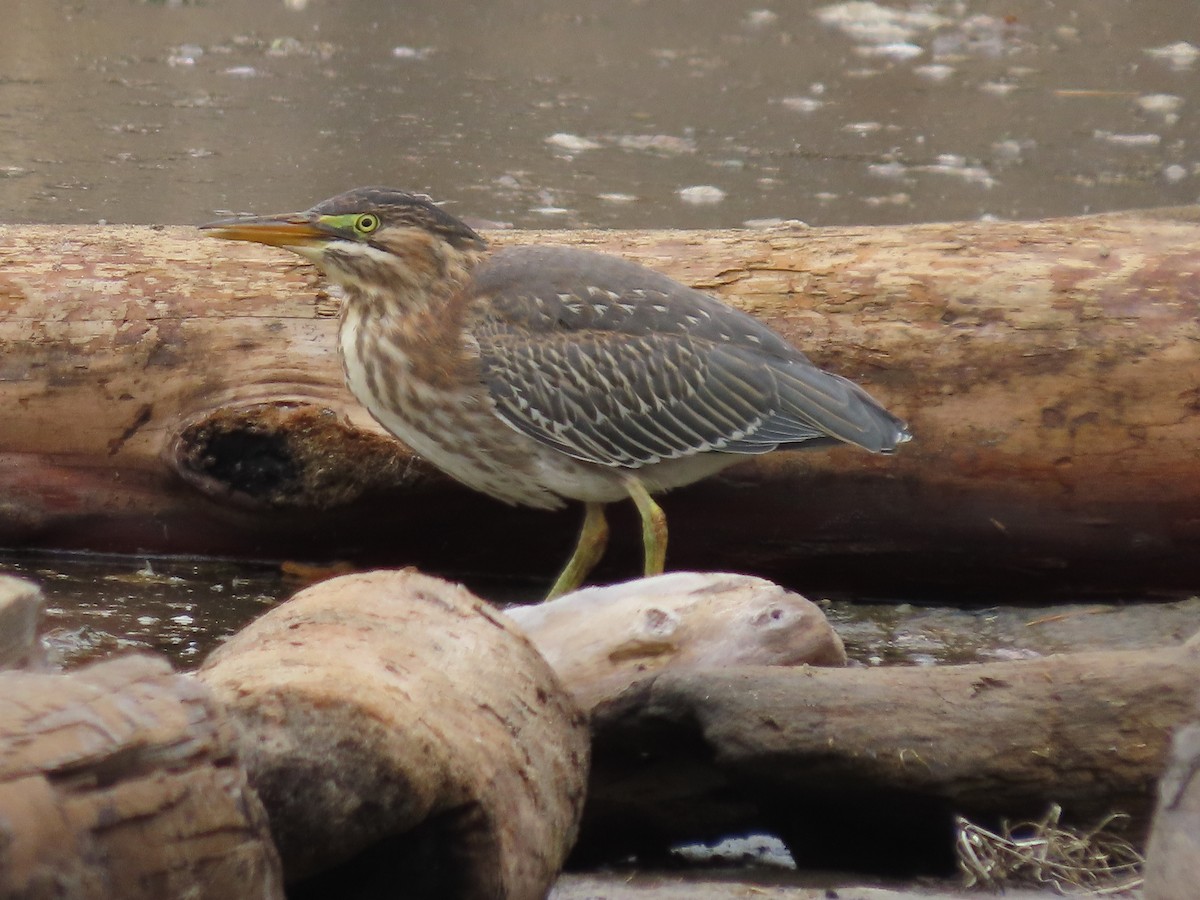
(690, 113)
(97, 605)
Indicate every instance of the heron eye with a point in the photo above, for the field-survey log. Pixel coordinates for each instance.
(366, 223)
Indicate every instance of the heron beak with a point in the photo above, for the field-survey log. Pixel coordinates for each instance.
(291, 230)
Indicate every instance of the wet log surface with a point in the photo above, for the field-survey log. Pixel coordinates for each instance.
(401, 732)
(120, 780)
(863, 768)
(164, 393)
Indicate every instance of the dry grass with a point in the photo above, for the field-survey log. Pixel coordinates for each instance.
(1047, 854)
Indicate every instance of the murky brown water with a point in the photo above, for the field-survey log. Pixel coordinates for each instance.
(690, 113)
(98, 604)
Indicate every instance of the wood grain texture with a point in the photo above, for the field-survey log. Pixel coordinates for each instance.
(402, 732)
(169, 393)
(856, 767)
(601, 640)
(120, 780)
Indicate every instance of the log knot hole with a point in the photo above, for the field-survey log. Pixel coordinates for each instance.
(287, 455)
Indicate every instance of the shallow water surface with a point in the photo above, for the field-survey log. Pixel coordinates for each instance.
(97, 605)
(676, 113)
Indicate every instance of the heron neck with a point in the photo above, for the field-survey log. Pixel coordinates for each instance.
(414, 312)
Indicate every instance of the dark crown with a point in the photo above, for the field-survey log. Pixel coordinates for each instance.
(400, 209)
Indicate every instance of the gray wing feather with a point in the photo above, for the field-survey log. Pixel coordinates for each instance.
(634, 402)
(618, 365)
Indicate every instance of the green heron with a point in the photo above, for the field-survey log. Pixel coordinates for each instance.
(539, 374)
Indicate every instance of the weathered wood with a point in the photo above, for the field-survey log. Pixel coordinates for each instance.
(627, 885)
(1173, 854)
(855, 767)
(168, 393)
(20, 609)
(602, 640)
(120, 781)
(402, 732)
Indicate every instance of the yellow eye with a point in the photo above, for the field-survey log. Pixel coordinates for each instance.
(366, 223)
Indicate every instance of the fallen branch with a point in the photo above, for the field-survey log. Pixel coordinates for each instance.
(850, 765)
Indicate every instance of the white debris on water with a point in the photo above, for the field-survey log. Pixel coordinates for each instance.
(1180, 55)
(185, 55)
(957, 166)
(761, 18)
(862, 127)
(1127, 140)
(1174, 173)
(1162, 104)
(899, 198)
(667, 144)
(934, 71)
(897, 50)
(1011, 150)
(873, 23)
(891, 169)
(1165, 105)
(998, 88)
(573, 143)
(701, 194)
(802, 104)
(756, 849)
(414, 53)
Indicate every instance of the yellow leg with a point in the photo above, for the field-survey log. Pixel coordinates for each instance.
(593, 538)
(654, 526)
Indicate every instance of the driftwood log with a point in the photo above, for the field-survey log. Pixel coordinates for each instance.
(403, 734)
(119, 780)
(602, 640)
(164, 393)
(859, 768)
(1173, 855)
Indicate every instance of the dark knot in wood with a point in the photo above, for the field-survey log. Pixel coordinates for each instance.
(287, 455)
